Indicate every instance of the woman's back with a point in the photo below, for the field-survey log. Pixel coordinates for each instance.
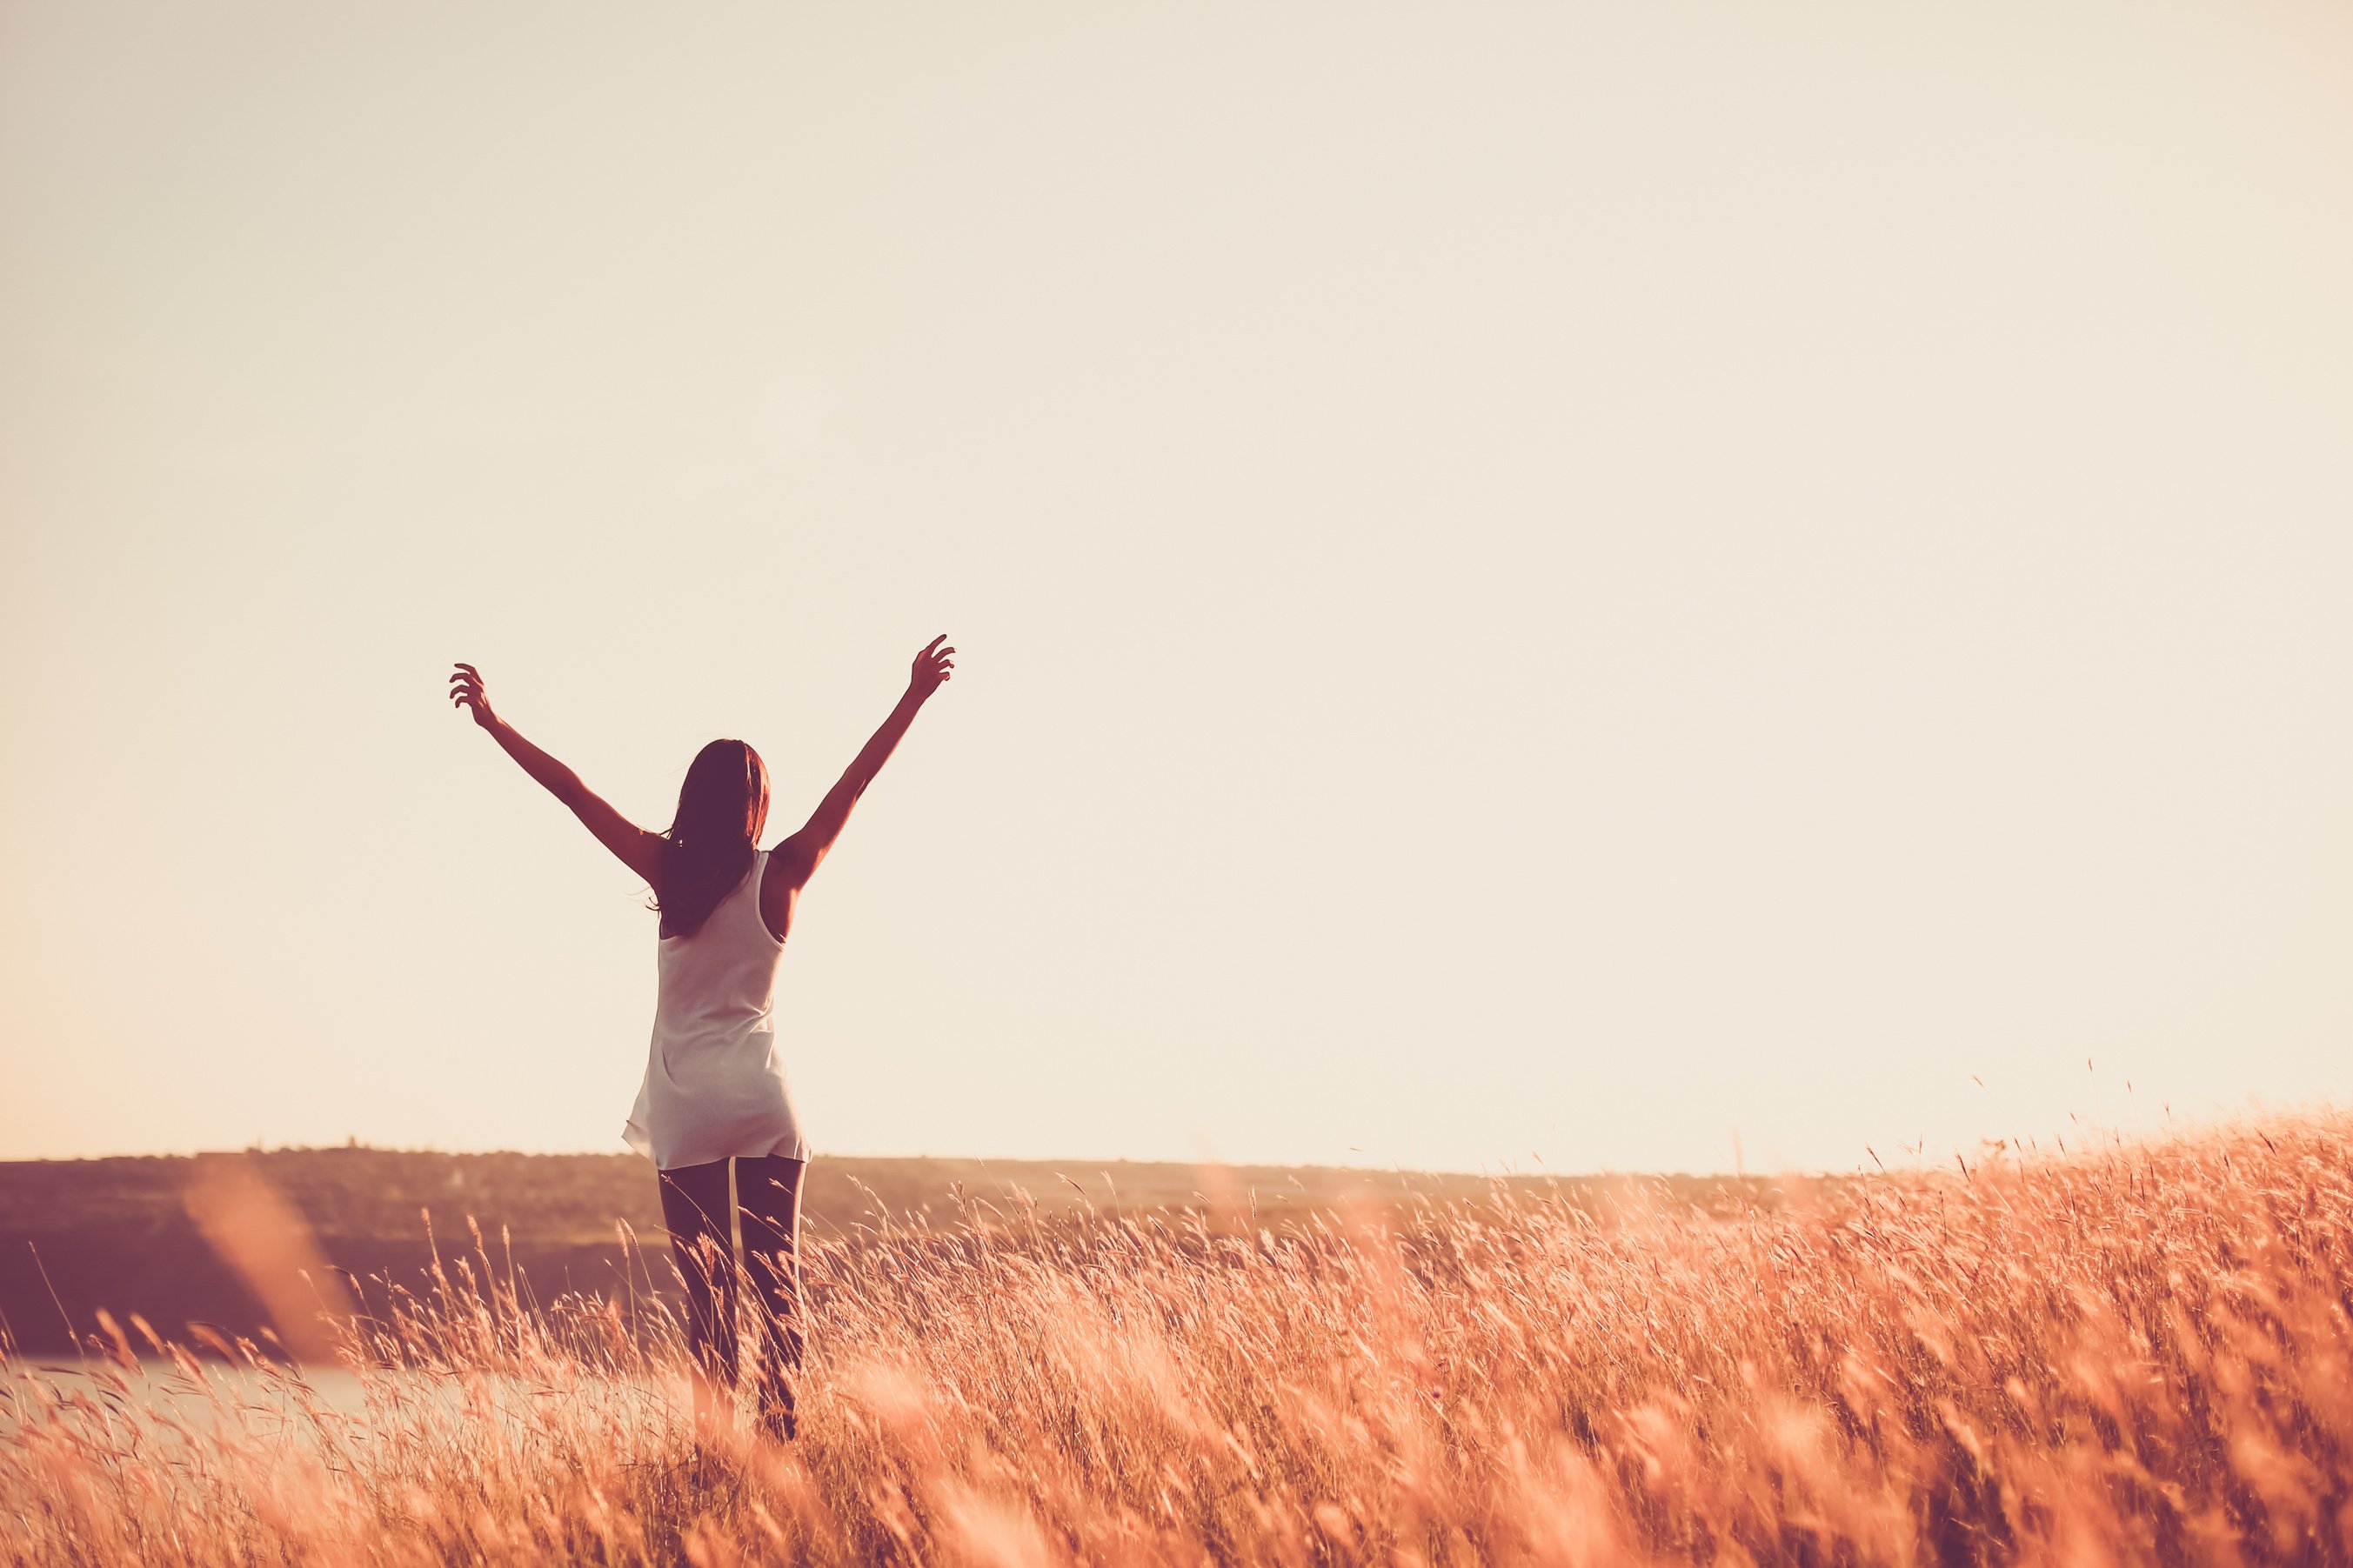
(715, 1087)
(721, 978)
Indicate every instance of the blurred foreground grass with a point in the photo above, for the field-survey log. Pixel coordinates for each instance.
(2136, 1353)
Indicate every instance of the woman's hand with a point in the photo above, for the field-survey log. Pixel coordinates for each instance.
(466, 692)
(933, 666)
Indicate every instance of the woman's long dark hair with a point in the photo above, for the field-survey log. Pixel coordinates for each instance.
(722, 808)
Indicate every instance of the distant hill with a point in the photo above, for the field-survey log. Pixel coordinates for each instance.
(79, 1235)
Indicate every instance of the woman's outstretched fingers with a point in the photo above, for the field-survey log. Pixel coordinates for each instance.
(467, 690)
(933, 664)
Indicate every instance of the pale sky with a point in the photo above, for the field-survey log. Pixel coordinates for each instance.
(1565, 583)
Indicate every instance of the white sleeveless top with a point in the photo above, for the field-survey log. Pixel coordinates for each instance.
(715, 1088)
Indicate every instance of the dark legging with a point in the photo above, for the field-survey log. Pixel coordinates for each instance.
(696, 1207)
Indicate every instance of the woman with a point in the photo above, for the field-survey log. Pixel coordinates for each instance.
(715, 1100)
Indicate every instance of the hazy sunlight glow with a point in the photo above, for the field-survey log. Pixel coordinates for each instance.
(1569, 583)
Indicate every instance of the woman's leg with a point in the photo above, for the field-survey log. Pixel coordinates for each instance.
(695, 1208)
(769, 1190)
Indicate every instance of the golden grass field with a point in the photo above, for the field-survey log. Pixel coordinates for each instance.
(2135, 1353)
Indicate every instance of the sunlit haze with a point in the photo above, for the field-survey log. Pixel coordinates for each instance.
(1624, 586)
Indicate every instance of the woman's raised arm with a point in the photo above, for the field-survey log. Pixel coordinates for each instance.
(801, 853)
(639, 851)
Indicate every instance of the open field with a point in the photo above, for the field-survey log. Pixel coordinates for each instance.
(79, 1235)
(2132, 1353)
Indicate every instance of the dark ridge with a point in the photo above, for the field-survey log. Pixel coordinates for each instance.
(115, 1232)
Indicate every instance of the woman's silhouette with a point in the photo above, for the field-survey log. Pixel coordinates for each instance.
(714, 1096)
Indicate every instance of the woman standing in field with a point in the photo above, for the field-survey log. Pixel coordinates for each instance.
(714, 1101)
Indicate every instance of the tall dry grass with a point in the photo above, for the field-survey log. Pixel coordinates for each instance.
(2136, 1354)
